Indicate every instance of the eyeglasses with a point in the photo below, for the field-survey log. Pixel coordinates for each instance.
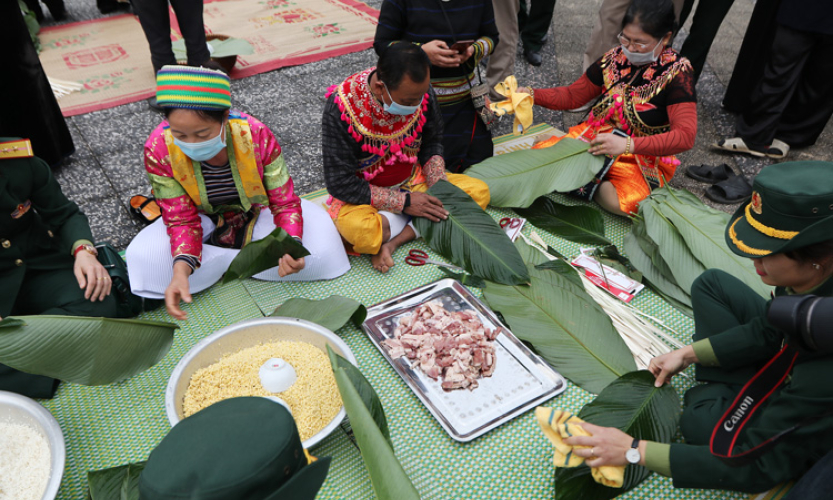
(627, 42)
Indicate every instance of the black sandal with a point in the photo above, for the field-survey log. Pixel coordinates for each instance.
(145, 208)
(733, 190)
(710, 174)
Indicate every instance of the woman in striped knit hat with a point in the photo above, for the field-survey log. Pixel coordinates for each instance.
(213, 170)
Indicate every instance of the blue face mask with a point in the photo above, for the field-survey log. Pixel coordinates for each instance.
(395, 108)
(205, 150)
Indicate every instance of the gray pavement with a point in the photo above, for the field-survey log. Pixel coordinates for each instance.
(107, 168)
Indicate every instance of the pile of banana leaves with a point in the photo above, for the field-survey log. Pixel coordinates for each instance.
(675, 238)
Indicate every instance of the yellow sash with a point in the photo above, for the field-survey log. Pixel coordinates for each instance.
(243, 167)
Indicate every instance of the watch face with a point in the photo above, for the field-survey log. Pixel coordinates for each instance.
(632, 455)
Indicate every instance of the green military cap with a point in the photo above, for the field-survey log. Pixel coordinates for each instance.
(237, 448)
(791, 208)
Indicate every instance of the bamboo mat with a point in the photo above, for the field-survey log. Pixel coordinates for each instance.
(112, 425)
(111, 59)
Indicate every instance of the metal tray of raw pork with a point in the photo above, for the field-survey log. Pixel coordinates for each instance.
(520, 380)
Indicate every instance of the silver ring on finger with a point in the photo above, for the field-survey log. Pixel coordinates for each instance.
(593, 452)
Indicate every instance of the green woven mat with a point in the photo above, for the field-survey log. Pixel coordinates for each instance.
(511, 462)
(112, 425)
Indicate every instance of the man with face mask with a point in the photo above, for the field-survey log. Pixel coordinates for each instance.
(382, 148)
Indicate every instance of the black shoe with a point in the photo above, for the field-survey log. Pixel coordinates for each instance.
(545, 39)
(110, 6)
(533, 57)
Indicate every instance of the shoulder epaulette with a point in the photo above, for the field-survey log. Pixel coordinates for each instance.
(21, 148)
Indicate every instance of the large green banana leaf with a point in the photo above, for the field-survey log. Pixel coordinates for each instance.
(332, 312)
(685, 268)
(662, 286)
(263, 254)
(703, 228)
(565, 326)
(116, 483)
(367, 418)
(88, 351)
(633, 405)
(471, 239)
(582, 224)
(517, 179)
(650, 249)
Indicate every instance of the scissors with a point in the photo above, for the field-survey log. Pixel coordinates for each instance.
(417, 257)
(512, 222)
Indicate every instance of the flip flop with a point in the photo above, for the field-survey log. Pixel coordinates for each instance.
(733, 190)
(736, 145)
(778, 149)
(145, 208)
(709, 174)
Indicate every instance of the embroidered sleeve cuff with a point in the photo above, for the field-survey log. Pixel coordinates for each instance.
(382, 198)
(434, 170)
(78, 244)
(484, 46)
(192, 261)
(658, 457)
(705, 353)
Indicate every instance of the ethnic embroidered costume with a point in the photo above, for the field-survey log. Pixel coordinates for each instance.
(257, 166)
(373, 158)
(655, 104)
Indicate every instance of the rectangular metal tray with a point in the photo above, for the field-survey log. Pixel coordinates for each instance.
(521, 380)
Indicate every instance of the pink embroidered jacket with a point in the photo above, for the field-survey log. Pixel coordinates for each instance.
(257, 163)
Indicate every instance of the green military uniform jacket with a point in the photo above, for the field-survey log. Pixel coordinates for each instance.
(39, 226)
(807, 392)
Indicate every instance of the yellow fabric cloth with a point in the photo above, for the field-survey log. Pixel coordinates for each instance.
(361, 225)
(558, 425)
(519, 103)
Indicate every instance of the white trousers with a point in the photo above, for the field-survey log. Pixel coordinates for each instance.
(150, 263)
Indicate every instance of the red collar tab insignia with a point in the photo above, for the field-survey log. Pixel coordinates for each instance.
(756, 203)
(21, 209)
(16, 149)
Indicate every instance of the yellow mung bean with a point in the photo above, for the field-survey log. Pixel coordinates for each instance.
(313, 398)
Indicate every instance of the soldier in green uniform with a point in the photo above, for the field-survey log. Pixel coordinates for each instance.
(48, 264)
(787, 230)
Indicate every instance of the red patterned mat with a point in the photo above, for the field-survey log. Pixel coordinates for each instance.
(110, 56)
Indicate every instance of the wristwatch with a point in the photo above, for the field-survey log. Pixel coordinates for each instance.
(89, 248)
(632, 455)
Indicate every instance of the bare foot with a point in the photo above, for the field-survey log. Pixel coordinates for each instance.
(383, 260)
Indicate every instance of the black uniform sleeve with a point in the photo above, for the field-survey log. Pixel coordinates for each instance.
(341, 158)
(57, 211)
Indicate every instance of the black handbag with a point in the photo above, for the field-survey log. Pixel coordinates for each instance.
(128, 305)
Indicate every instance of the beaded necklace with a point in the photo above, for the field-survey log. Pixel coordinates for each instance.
(618, 104)
(387, 138)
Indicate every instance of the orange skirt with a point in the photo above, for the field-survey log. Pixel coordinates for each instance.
(632, 175)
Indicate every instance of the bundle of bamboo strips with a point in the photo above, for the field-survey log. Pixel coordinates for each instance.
(63, 87)
(645, 339)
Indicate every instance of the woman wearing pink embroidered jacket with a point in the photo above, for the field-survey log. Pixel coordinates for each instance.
(212, 171)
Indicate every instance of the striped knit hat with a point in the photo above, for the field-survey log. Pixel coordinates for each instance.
(192, 88)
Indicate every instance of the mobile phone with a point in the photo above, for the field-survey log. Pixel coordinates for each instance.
(462, 46)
